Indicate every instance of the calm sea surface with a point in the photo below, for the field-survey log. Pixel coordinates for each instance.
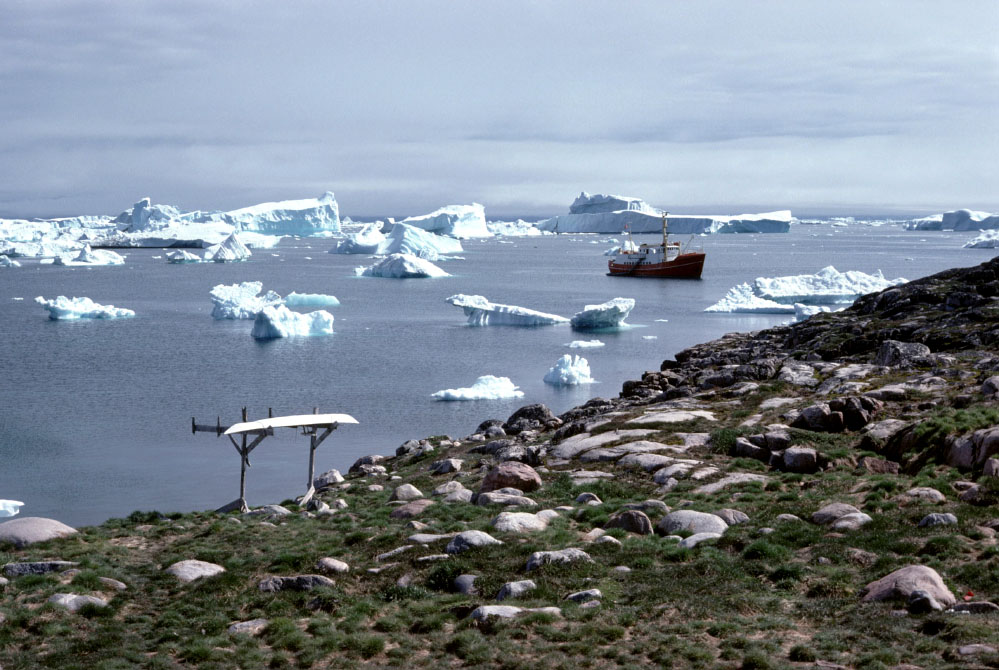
(95, 415)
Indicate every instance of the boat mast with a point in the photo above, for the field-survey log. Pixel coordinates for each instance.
(665, 214)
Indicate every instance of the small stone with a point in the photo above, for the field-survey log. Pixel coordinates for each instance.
(621, 569)
(508, 612)
(831, 512)
(586, 498)
(328, 478)
(375, 488)
(31, 529)
(113, 584)
(608, 539)
(695, 522)
(991, 467)
(251, 627)
(732, 517)
(37, 568)
(521, 522)
(74, 602)
(497, 498)
(788, 518)
(926, 493)
(433, 557)
(632, 521)
(979, 607)
(406, 492)
(849, 522)
(188, 571)
(938, 519)
(394, 552)
(590, 604)
(582, 596)
(697, 538)
(332, 566)
(446, 466)
(470, 539)
(516, 589)
(975, 649)
(296, 583)
(571, 555)
(465, 584)
(513, 474)
(411, 509)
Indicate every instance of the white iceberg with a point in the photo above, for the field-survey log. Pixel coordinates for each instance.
(306, 217)
(401, 266)
(402, 239)
(66, 309)
(481, 312)
(279, 321)
(778, 295)
(593, 214)
(364, 241)
(232, 249)
(518, 228)
(959, 219)
(610, 314)
(310, 300)
(568, 371)
(8, 262)
(180, 256)
(10, 507)
(240, 301)
(584, 344)
(802, 312)
(88, 256)
(987, 240)
(486, 387)
(461, 221)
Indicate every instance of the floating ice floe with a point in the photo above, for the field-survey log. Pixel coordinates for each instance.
(240, 301)
(67, 309)
(278, 321)
(987, 240)
(778, 295)
(402, 239)
(584, 344)
(8, 262)
(518, 228)
(310, 300)
(486, 387)
(364, 241)
(180, 256)
(461, 221)
(568, 371)
(88, 256)
(232, 249)
(10, 507)
(593, 214)
(610, 314)
(305, 217)
(481, 312)
(959, 219)
(401, 266)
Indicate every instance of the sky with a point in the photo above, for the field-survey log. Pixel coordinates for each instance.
(402, 107)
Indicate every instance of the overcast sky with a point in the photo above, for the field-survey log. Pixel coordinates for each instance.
(401, 107)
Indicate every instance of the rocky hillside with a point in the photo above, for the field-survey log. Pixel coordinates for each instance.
(816, 495)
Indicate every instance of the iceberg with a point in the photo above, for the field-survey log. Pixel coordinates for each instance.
(518, 228)
(481, 312)
(401, 266)
(610, 314)
(181, 256)
(8, 262)
(67, 309)
(594, 214)
(402, 239)
(987, 240)
(584, 344)
(802, 312)
(568, 371)
(232, 249)
(240, 301)
(778, 295)
(364, 241)
(486, 387)
(461, 221)
(305, 217)
(10, 507)
(278, 321)
(310, 300)
(959, 219)
(88, 256)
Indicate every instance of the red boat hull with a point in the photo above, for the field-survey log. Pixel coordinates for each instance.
(684, 266)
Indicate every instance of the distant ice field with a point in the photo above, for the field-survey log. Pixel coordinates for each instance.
(95, 415)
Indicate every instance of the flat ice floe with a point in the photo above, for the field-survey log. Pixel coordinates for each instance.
(240, 301)
(401, 266)
(778, 295)
(10, 507)
(88, 256)
(461, 221)
(231, 249)
(610, 314)
(486, 387)
(481, 312)
(310, 300)
(593, 214)
(987, 240)
(67, 309)
(568, 371)
(402, 239)
(278, 321)
(584, 344)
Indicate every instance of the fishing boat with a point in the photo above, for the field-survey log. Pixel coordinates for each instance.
(666, 259)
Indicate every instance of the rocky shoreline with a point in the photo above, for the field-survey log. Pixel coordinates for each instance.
(758, 501)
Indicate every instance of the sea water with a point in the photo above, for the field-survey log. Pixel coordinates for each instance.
(95, 416)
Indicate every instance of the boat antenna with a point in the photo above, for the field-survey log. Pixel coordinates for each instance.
(665, 214)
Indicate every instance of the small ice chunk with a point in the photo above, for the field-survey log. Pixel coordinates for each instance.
(610, 314)
(181, 256)
(365, 241)
(232, 249)
(7, 262)
(802, 312)
(310, 300)
(66, 309)
(569, 370)
(279, 321)
(88, 256)
(584, 344)
(401, 266)
(481, 312)
(10, 507)
(650, 337)
(486, 387)
(518, 228)
(240, 301)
